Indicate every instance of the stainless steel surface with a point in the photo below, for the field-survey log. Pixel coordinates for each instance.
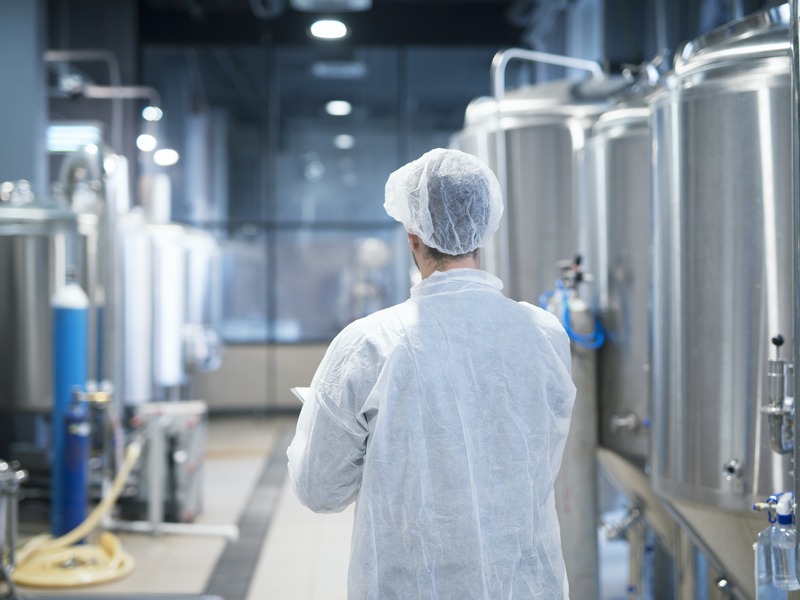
(575, 487)
(38, 245)
(794, 384)
(10, 480)
(542, 131)
(723, 280)
(620, 237)
(723, 274)
(501, 60)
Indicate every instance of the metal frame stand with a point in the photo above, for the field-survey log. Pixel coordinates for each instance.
(155, 524)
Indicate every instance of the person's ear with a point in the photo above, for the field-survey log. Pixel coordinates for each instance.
(414, 241)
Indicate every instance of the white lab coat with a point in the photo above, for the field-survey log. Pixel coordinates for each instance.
(445, 417)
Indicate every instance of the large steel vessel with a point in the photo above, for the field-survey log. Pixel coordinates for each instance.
(723, 281)
(618, 206)
(543, 130)
(39, 245)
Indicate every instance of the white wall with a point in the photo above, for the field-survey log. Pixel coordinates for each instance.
(259, 377)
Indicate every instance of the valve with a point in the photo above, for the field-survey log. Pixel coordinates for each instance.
(779, 408)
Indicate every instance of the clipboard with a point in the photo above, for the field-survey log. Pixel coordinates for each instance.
(301, 393)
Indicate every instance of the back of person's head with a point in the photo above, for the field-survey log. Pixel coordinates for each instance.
(450, 199)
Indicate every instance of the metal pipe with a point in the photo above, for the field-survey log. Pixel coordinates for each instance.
(502, 58)
(794, 31)
(121, 92)
(114, 77)
(498, 74)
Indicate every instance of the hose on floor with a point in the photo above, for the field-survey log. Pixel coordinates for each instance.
(47, 562)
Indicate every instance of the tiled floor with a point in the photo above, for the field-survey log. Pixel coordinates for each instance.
(304, 556)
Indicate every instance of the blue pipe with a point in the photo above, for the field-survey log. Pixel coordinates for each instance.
(592, 340)
(76, 466)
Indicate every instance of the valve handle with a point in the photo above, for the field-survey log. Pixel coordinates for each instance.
(778, 340)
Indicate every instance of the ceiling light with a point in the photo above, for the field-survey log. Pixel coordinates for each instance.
(328, 29)
(165, 157)
(338, 108)
(321, 5)
(344, 141)
(339, 69)
(146, 142)
(152, 113)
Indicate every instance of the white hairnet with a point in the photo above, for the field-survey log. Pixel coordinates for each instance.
(449, 198)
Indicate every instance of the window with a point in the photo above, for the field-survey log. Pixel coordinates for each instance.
(293, 194)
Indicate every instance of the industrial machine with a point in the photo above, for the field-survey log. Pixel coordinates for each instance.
(678, 194)
(723, 281)
(40, 243)
(152, 292)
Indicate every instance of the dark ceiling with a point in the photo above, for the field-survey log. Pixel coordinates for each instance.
(388, 22)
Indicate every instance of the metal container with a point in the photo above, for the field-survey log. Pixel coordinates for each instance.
(619, 231)
(542, 131)
(170, 291)
(38, 246)
(10, 480)
(723, 280)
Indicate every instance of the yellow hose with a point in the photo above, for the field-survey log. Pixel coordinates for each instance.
(48, 562)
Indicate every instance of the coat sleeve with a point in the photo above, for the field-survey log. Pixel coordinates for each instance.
(326, 456)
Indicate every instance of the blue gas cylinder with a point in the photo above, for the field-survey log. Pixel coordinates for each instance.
(70, 357)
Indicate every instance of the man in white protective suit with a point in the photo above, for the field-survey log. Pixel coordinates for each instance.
(444, 417)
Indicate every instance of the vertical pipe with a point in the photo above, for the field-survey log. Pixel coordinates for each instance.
(76, 465)
(794, 32)
(156, 453)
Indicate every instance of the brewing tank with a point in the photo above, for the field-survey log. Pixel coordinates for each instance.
(542, 129)
(723, 280)
(39, 245)
(619, 230)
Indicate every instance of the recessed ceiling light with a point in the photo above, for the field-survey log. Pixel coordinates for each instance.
(339, 69)
(338, 108)
(344, 141)
(328, 29)
(165, 157)
(152, 113)
(146, 142)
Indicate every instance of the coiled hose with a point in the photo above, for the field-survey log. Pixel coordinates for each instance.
(54, 563)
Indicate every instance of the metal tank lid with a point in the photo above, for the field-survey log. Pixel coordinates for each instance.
(553, 98)
(16, 219)
(763, 34)
(623, 116)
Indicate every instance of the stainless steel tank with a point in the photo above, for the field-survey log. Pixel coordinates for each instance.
(619, 230)
(543, 130)
(618, 205)
(39, 244)
(723, 281)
